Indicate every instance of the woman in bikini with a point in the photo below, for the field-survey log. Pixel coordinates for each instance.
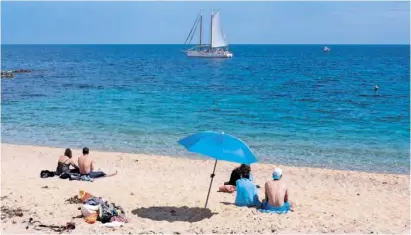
(64, 163)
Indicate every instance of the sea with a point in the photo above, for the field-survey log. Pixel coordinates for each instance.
(292, 104)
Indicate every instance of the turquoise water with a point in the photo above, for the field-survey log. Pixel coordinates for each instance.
(292, 104)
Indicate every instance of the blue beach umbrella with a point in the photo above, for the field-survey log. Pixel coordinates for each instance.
(219, 146)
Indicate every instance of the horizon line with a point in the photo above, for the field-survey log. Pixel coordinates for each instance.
(245, 44)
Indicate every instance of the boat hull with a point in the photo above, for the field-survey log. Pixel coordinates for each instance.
(204, 54)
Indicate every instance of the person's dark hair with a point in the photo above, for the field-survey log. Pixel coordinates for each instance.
(244, 171)
(85, 151)
(67, 153)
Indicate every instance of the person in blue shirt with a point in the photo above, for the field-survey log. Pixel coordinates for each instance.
(247, 192)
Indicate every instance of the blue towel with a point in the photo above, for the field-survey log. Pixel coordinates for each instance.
(267, 208)
(247, 193)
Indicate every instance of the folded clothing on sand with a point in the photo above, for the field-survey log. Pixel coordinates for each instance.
(47, 173)
(267, 208)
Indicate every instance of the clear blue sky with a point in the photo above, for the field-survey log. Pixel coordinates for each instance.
(170, 22)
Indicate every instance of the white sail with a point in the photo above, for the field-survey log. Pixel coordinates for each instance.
(217, 37)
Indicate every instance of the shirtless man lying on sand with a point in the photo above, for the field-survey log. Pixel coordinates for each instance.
(277, 194)
(86, 165)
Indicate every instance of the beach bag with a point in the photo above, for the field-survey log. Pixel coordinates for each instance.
(47, 173)
(91, 219)
(90, 213)
(84, 195)
(87, 210)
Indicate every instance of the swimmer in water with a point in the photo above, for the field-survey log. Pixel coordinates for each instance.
(376, 88)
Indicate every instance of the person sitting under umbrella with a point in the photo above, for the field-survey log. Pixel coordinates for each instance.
(247, 192)
(230, 186)
(277, 195)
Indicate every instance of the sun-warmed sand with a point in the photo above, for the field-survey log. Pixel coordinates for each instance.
(167, 195)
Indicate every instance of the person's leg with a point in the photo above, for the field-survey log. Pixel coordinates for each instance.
(96, 174)
(99, 174)
(112, 174)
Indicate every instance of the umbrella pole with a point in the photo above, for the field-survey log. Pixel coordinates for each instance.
(211, 182)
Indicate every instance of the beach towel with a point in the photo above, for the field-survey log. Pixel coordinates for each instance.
(247, 193)
(267, 208)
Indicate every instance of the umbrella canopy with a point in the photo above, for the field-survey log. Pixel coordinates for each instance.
(219, 146)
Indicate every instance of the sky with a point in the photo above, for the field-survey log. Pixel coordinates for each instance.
(170, 22)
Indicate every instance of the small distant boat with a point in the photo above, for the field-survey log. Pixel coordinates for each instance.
(218, 47)
(326, 49)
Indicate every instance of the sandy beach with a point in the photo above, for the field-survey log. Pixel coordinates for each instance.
(149, 188)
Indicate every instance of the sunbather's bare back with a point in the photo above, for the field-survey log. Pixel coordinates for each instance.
(276, 192)
(85, 163)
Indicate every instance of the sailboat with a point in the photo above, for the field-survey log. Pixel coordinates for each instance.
(218, 47)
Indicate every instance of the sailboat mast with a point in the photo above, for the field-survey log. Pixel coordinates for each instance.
(201, 26)
(211, 30)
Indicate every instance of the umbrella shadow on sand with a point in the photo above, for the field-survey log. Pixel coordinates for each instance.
(172, 214)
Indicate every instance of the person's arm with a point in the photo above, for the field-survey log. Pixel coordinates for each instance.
(73, 164)
(92, 165)
(233, 178)
(265, 191)
(286, 196)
